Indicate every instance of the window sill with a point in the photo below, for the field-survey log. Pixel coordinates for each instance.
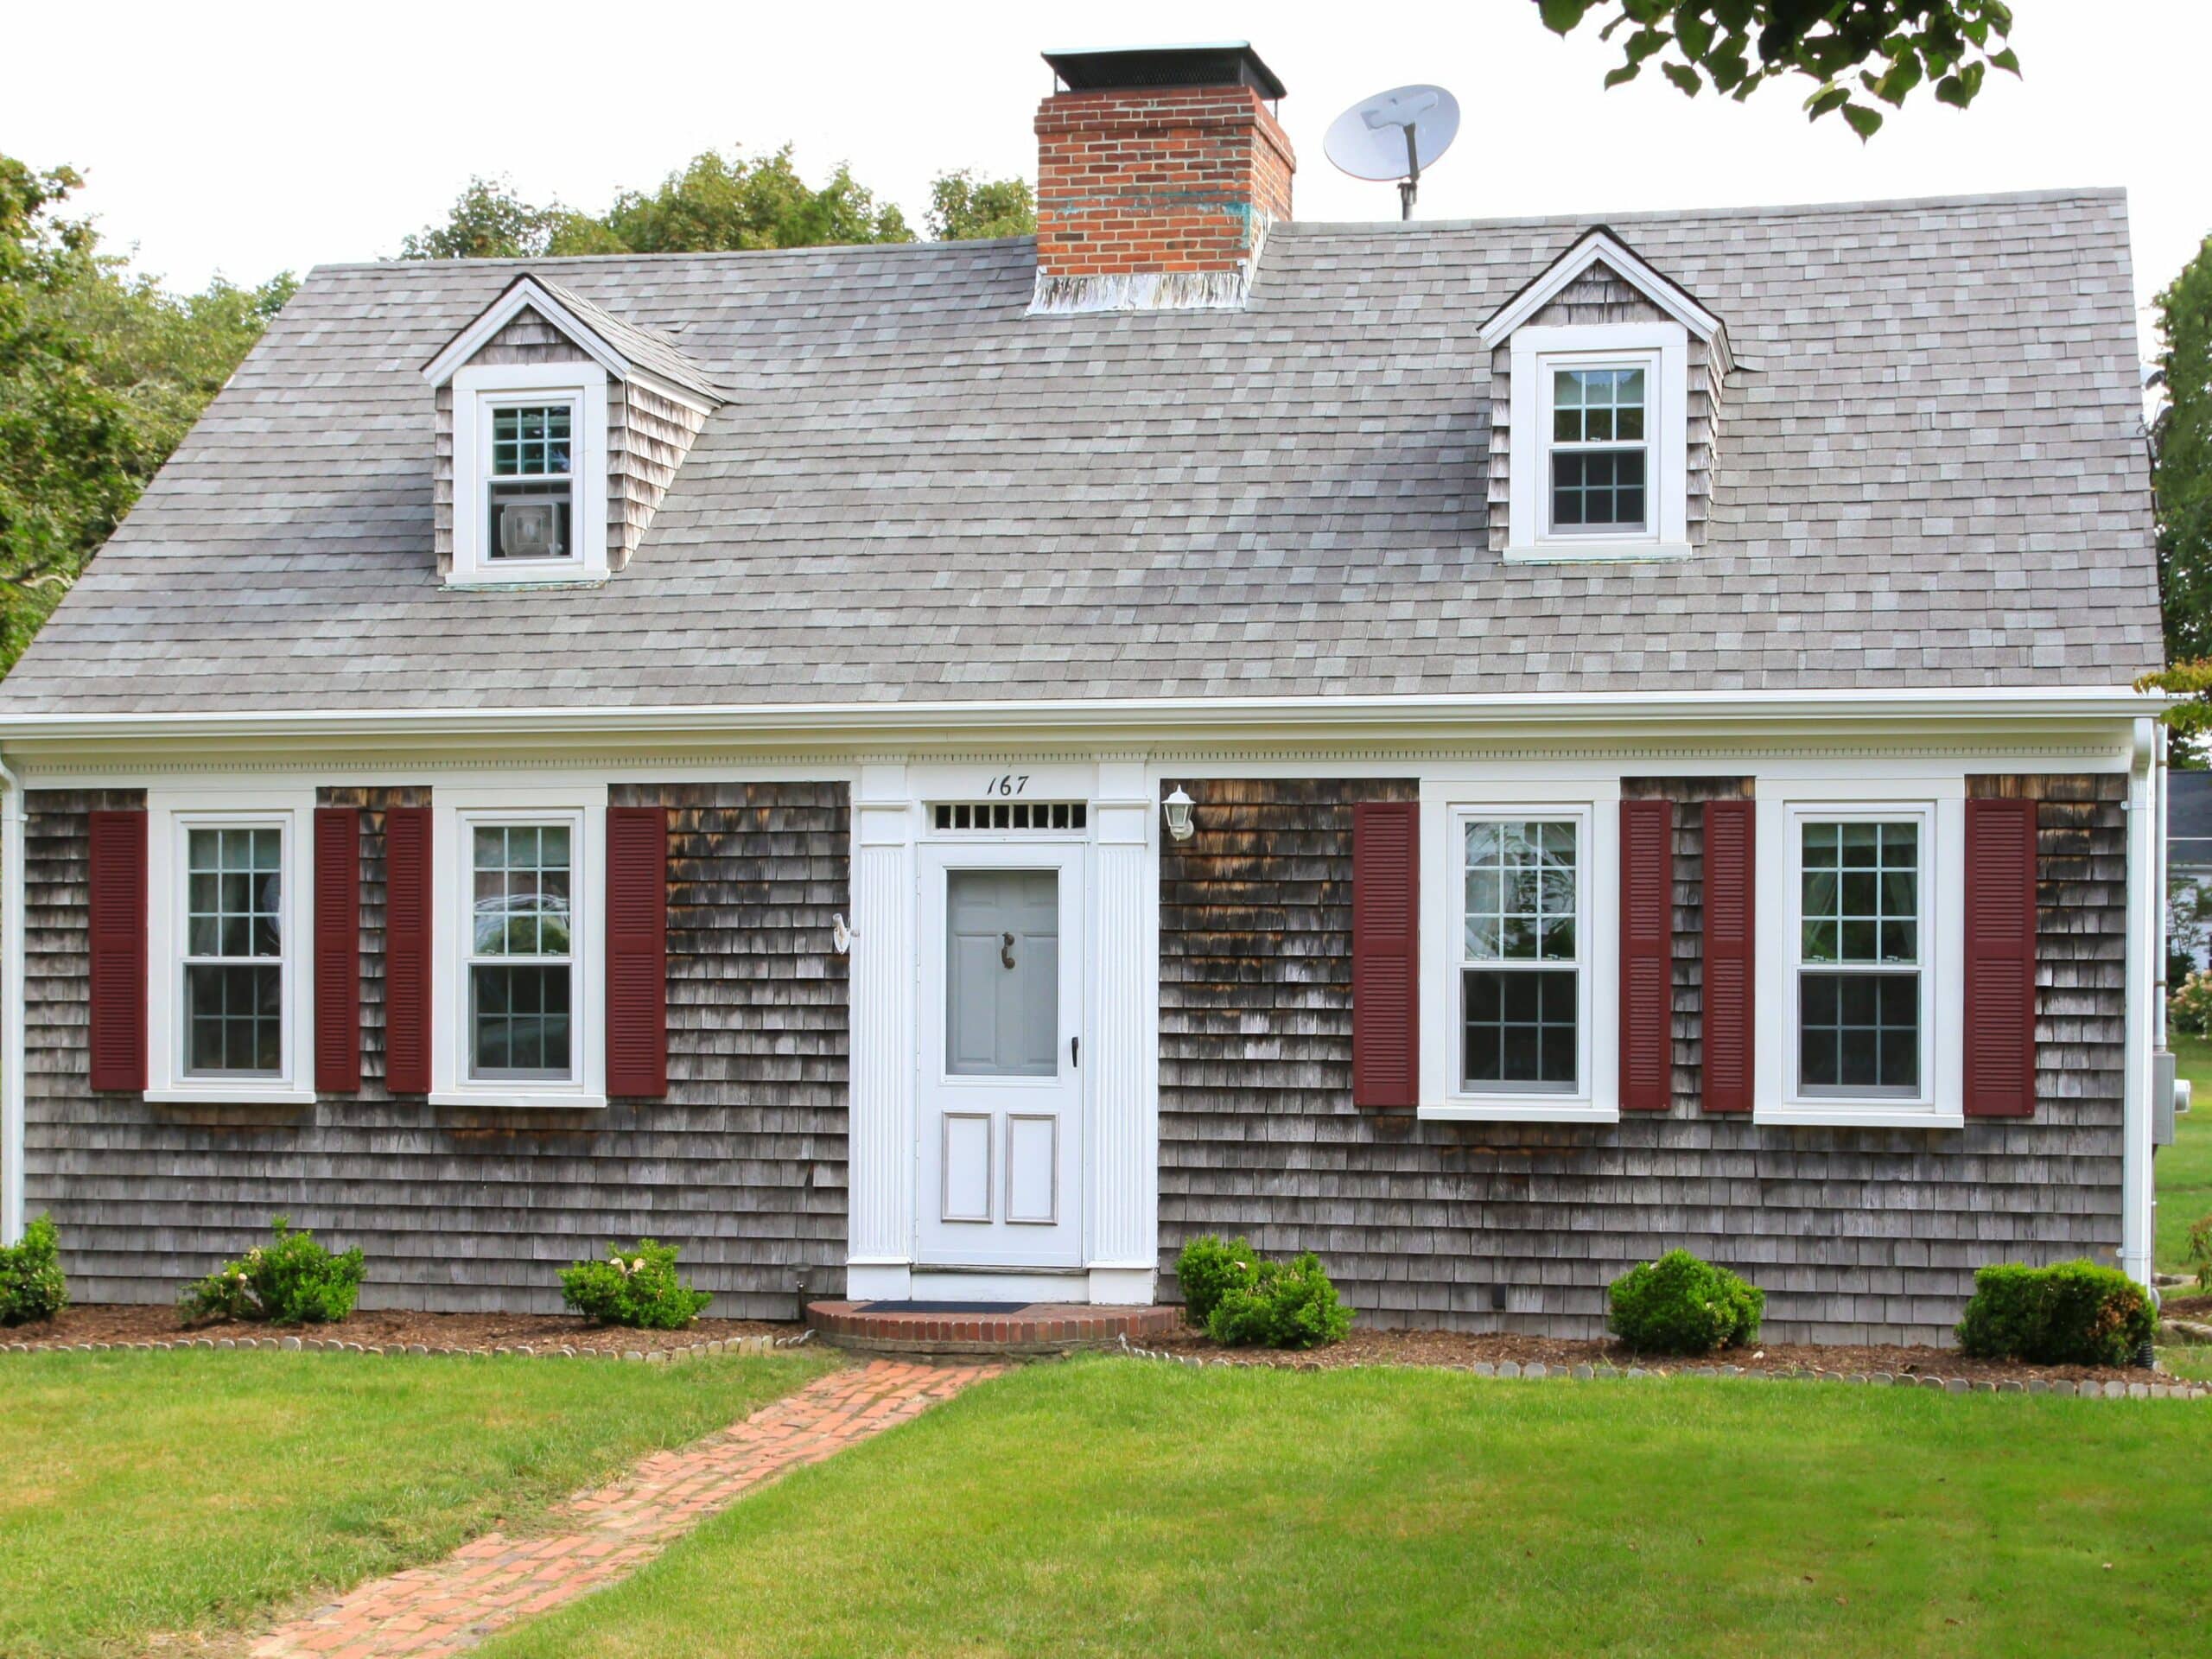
(564, 1100)
(1518, 1109)
(1843, 1115)
(1596, 552)
(507, 582)
(244, 1092)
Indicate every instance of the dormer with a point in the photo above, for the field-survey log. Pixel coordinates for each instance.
(560, 428)
(1606, 381)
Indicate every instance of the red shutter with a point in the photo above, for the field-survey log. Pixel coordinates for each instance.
(1386, 954)
(1729, 931)
(338, 948)
(1647, 954)
(407, 949)
(637, 951)
(2000, 987)
(118, 905)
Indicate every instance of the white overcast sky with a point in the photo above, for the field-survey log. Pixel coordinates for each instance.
(249, 139)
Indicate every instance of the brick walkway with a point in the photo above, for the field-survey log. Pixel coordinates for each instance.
(494, 1580)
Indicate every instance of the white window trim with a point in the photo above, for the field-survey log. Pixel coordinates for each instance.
(455, 813)
(170, 816)
(1595, 808)
(1663, 350)
(476, 391)
(1940, 1103)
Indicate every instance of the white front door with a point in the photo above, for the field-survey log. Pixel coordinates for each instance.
(1000, 1123)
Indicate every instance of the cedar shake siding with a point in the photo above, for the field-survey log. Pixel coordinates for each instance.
(742, 1165)
(1856, 1234)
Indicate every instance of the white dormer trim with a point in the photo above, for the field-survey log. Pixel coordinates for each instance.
(1596, 246)
(524, 294)
(478, 391)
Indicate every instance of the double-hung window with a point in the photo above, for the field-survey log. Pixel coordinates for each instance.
(521, 955)
(1600, 450)
(531, 494)
(1517, 1015)
(1861, 940)
(530, 473)
(230, 980)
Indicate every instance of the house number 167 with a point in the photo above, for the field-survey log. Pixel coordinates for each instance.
(1011, 783)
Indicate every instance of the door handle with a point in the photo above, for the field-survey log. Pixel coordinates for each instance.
(1006, 948)
(1075, 1050)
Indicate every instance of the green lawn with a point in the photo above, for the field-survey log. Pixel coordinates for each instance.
(143, 1492)
(1115, 1506)
(2184, 1169)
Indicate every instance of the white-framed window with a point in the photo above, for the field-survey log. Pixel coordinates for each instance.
(1860, 957)
(231, 981)
(1598, 449)
(520, 883)
(529, 474)
(1518, 1019)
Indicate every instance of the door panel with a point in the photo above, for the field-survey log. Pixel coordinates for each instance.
(999, 1095)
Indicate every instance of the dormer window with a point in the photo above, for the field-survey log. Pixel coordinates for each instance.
(530, 473)
(1600, 451)
(531, 488)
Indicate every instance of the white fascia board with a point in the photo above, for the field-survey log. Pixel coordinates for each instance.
(1627, 716)
(1593, 247)
(525, 293)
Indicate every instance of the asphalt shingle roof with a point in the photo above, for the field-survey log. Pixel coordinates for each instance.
(1930, 473)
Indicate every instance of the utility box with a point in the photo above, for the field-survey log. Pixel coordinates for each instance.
(2163, 1089)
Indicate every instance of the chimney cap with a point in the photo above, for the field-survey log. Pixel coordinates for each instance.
(1214, 63)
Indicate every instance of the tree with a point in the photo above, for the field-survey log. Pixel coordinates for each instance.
(964, 208)
(101, 375)
(1853, 50)
(2181, 486)
(490, 221)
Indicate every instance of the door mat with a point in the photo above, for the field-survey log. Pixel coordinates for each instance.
(945, 1307)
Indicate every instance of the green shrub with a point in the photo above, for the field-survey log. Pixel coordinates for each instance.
(1208, 1269)
(31, 1285)
(1682, 1304)
(2199, 1251)
(2074, 1313)
(636, 1286)
(1282, 1305)
(2189, 1008)
(291, 1279)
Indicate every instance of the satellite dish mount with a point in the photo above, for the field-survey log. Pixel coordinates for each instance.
(1391, 137)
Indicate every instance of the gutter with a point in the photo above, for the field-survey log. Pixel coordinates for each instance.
(1615, 715)
(2138, 1200)
(12, 1009)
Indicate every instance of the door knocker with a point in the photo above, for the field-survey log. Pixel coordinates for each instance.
(1006, 948)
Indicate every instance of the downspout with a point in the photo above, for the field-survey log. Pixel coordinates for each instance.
(12, 1013)
(2136, 1197)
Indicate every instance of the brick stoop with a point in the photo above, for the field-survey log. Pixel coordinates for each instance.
(1036, 1329)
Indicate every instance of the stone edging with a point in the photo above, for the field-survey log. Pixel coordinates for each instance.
(2092, 1390)
(753, 1344)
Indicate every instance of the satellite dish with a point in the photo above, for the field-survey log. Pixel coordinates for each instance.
(1394, 135)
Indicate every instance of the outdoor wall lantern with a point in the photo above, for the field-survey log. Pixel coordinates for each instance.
(1178, 808)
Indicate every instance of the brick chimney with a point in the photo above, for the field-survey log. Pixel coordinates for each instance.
(1159, 171)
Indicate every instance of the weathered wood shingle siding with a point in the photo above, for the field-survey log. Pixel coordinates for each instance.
(1855, 1235)
(743, 1165)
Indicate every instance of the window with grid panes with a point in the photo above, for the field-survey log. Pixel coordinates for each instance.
(1521, 964)
(1599, 458)
(1859, 976)
(234, 952)
(531, 491)
(521, 972)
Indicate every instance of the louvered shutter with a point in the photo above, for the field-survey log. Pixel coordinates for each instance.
(2000, 977)
(1730, 830)
(1647, 1014)
(1386, 954)
(338, 948)
(407, 949)
(637, 951)
(117, 903)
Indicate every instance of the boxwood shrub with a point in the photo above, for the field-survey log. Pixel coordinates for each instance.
(2072, 1313)
(292, 1280)
(1245, 1302)
(1682, 1305)
(636, 1285)
(31, 1285)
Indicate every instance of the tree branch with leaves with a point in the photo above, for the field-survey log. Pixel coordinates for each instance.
(1857, 52)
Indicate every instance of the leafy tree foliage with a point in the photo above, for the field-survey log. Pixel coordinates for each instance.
(964, 208)
(1853, 50)
(718, 202)
(102, 373)
(2181, 477)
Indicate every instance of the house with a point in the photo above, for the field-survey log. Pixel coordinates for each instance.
(2189, 871)
(1487, 750)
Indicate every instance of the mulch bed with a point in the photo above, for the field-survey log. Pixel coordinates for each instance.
(392, 1327)
(1461, 1349)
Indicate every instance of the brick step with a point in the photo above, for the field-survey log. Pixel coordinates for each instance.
(1032, 1329)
